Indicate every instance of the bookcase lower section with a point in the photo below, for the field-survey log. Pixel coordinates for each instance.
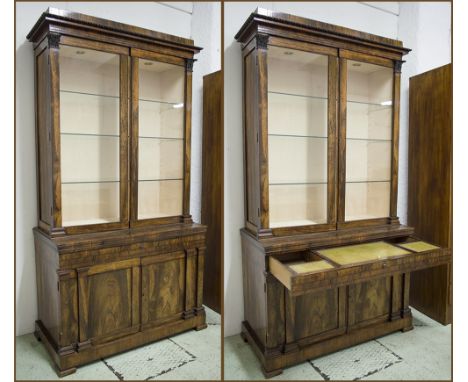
(103, 293)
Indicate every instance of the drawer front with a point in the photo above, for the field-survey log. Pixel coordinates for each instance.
(108, 301)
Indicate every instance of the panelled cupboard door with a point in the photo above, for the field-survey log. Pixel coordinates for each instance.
(163, 288)
(93, 97)
(318, 314)
(109, 301)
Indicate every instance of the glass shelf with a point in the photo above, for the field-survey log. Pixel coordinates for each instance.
(296, 183)
(92, 182)
(369, 139)
(160, 180)
(170, 138)
(379, 105)
(91, 135)
(118, 181)
(89, 94)
(297, 136)
(179, 104)
(298, 95)
(367, 181)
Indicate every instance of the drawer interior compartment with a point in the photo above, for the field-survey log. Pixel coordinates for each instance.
(418, 246)
(352, 255)
(302, 272)
(294, 266)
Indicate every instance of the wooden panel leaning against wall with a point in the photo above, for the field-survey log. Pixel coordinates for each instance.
(326, 262)
(119, 261)
(430, 185)
(212, 183)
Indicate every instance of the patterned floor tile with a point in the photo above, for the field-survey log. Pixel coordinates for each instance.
(149, 361)
(356, 362)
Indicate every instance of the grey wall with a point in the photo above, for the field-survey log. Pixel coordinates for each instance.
(423, 26)
(200, 21)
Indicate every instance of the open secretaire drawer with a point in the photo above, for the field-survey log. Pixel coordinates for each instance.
(306, 271)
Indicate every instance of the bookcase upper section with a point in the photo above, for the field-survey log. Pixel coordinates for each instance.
(321, 119)
(113, 120)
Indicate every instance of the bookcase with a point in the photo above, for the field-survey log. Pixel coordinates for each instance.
(326, 262)
(119, 261)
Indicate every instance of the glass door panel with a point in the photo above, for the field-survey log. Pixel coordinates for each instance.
(89, 127)
(297, 137)
(368, 141)
(160, 139)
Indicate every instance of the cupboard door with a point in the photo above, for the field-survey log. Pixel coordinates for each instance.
(315, 316)
(316, 313)
(298, 137)
(108, 301)
(367, 101)
(163, 288)
(158, 138)
(93, 137)
(370, 301)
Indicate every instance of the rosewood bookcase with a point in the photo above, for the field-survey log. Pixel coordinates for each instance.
(326, 262)
(119, 262)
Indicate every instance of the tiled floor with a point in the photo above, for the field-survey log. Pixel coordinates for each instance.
(422, 353)
(190, 355)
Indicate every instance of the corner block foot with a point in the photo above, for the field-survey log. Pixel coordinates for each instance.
(201, 327)
(407, 329)
(64, 373)
(272, 373)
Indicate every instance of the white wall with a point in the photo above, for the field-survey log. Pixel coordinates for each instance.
(424, 27)
(206, 32)
(200, 21)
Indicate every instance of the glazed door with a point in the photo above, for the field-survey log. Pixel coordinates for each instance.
(160, 142)
(368, 146)
(302, 101)
(92, 135)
